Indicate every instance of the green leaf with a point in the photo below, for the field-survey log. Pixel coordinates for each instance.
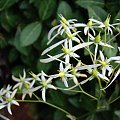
(97, 13)
(62, 116)
(16, 43)
(117, 114)
(46, 8)
(13, 55)
(115, 93)
(30, 33)
(110, 52)
(117, 16)
(4, 4)
(90, 3)
(70, 83)
(65, 9)
(9, 20)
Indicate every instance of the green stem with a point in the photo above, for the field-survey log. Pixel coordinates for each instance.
(41, 101)
(114, 100)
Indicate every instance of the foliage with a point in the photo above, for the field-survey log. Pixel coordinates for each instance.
(24, 26)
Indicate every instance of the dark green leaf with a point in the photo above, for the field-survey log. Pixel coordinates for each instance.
(97, 13)
(4, 4)
(16, 43)
(30, 33)
(9, 20)
(62, 116)
(90, 3)
(46, 8)
(64, 9)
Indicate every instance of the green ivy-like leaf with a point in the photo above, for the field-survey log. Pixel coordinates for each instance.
(30, 33)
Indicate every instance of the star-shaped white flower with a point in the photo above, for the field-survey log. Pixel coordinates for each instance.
(63, 27)
(106, 24)
(45, 83)
(63, 73)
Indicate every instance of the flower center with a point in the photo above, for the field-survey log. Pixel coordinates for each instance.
(61, 74)
(89, 24)
(66, 50)
(44, 83)
(103, 63)
(97, 38)
(9, 99)
(26, 86)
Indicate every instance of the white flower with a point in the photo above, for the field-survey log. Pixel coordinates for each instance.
(63, 27)
(97, 41)
(68, 51)
(106, 24)
(63, 73)
(87, 27)
(9, 100)
(105, 63)
(35, 77)
(28, 88)
(45, 84)
(95, 73)
(76, 73)
(70, 38)
(21, 80)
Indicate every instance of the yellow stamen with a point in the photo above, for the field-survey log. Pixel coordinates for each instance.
(61, 74)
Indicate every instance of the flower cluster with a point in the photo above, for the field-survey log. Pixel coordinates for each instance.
(72, 44)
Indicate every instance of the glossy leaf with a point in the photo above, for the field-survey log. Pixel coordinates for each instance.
(30, 33)
(46, 8)
(64, 9)
(90, 3)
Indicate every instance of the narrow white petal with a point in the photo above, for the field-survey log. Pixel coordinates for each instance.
(67, 58)
(76, 39)
(86, 30)
(51, 31)
(52, 58)
(52, 47)
(118, 72)
(81, 45)
(91, 37)
(88, 66)
(51, 86)
(105, 45)
(109, 69)
(96, 21)
(43, 94)
(61, 67)
(65, 82)
(80, 25)
(103, 71)
(102, 56)
(52, 38)
(96, 49)
(92, 30)
(103, 77)
(2, 106)
(9, 108)
(15, 102)
(15, 79)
